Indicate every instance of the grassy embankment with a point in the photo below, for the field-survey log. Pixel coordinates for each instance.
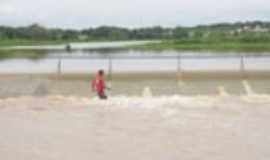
(21, 53)
(32, 54)
(23, 42)
(208, 45)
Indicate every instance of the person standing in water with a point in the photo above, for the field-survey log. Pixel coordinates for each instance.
(98, 85)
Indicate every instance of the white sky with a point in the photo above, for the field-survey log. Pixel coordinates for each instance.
(130, 13)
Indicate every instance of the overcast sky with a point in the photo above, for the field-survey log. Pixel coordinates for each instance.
(130, 13)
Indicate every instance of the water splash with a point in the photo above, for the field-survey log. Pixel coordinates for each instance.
(147, 92)
(253, 97)
(248, 89)
(222, 91)
(168, 105)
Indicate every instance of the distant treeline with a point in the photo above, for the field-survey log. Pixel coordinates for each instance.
(244, 31)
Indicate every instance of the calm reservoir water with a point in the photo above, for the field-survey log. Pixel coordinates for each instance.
(89, 57)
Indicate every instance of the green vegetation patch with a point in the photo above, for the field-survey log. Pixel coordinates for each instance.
(208, 45)
(29, 54)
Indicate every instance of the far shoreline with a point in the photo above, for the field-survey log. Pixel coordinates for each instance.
(161, 44)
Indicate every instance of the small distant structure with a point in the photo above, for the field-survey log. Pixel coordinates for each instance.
(259, 28)
(68, 47)
(256, 29)
(247, 28)
(239, 30)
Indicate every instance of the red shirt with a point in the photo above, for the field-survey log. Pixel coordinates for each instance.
(98, 85)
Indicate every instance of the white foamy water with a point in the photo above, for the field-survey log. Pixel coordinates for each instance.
(247, 87)
(222, 91)
(216, 120)
(164, 127)
(135, 102)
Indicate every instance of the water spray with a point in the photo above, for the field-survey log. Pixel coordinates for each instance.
(222, 91)
(147, 93)
(247, 87)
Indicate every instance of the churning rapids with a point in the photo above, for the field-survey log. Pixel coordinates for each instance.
(143, 127)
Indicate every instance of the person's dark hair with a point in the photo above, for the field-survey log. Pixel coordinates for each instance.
(101, 72)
